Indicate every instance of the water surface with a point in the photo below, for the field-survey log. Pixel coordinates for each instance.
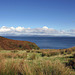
(48, 42)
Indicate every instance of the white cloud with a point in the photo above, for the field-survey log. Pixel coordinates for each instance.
(45, 27)
(36, 31)
(5, 29)
(20, 29)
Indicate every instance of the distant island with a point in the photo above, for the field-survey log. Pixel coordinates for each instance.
(9, 44)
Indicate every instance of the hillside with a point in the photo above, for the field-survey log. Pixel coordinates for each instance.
(9, 44)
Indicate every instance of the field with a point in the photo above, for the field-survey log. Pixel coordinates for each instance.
(37, 62)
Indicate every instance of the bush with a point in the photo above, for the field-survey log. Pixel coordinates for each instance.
(73, 55)
(71, 64)
(61, 52)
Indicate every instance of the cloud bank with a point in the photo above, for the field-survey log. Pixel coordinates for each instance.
(21, 31)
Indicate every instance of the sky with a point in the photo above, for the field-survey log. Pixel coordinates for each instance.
(37, 17)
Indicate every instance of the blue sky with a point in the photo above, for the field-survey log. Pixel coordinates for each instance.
(54, 14)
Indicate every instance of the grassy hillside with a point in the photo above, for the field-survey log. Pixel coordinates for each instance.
(37, 62)
(24, 58)
(8, 44)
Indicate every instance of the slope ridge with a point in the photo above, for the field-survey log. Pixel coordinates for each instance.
(9, 44)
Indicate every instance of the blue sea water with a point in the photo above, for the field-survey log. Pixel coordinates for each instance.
(48, 42)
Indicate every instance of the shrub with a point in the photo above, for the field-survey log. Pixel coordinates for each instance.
(69, 52)
(71, 63)
(73, 55)
(61, 52)
(43, 53)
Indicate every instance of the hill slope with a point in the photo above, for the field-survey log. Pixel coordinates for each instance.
(8, 44)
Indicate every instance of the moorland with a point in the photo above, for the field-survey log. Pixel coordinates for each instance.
(35, 61)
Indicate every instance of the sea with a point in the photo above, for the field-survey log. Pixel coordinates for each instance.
(47, 42)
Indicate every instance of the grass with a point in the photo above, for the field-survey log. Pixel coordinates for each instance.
(26, 62)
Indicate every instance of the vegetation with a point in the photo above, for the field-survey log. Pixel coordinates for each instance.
(8, 44)
(37, 62)
(71, 62)
(25, 58)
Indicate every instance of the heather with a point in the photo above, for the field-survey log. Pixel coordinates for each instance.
(9, 44)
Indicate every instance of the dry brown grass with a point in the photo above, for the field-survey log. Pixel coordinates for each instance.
(51, 52)
(25, 68)
(28, 67)
(32, 57)
(9, 65)
(13, 55)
